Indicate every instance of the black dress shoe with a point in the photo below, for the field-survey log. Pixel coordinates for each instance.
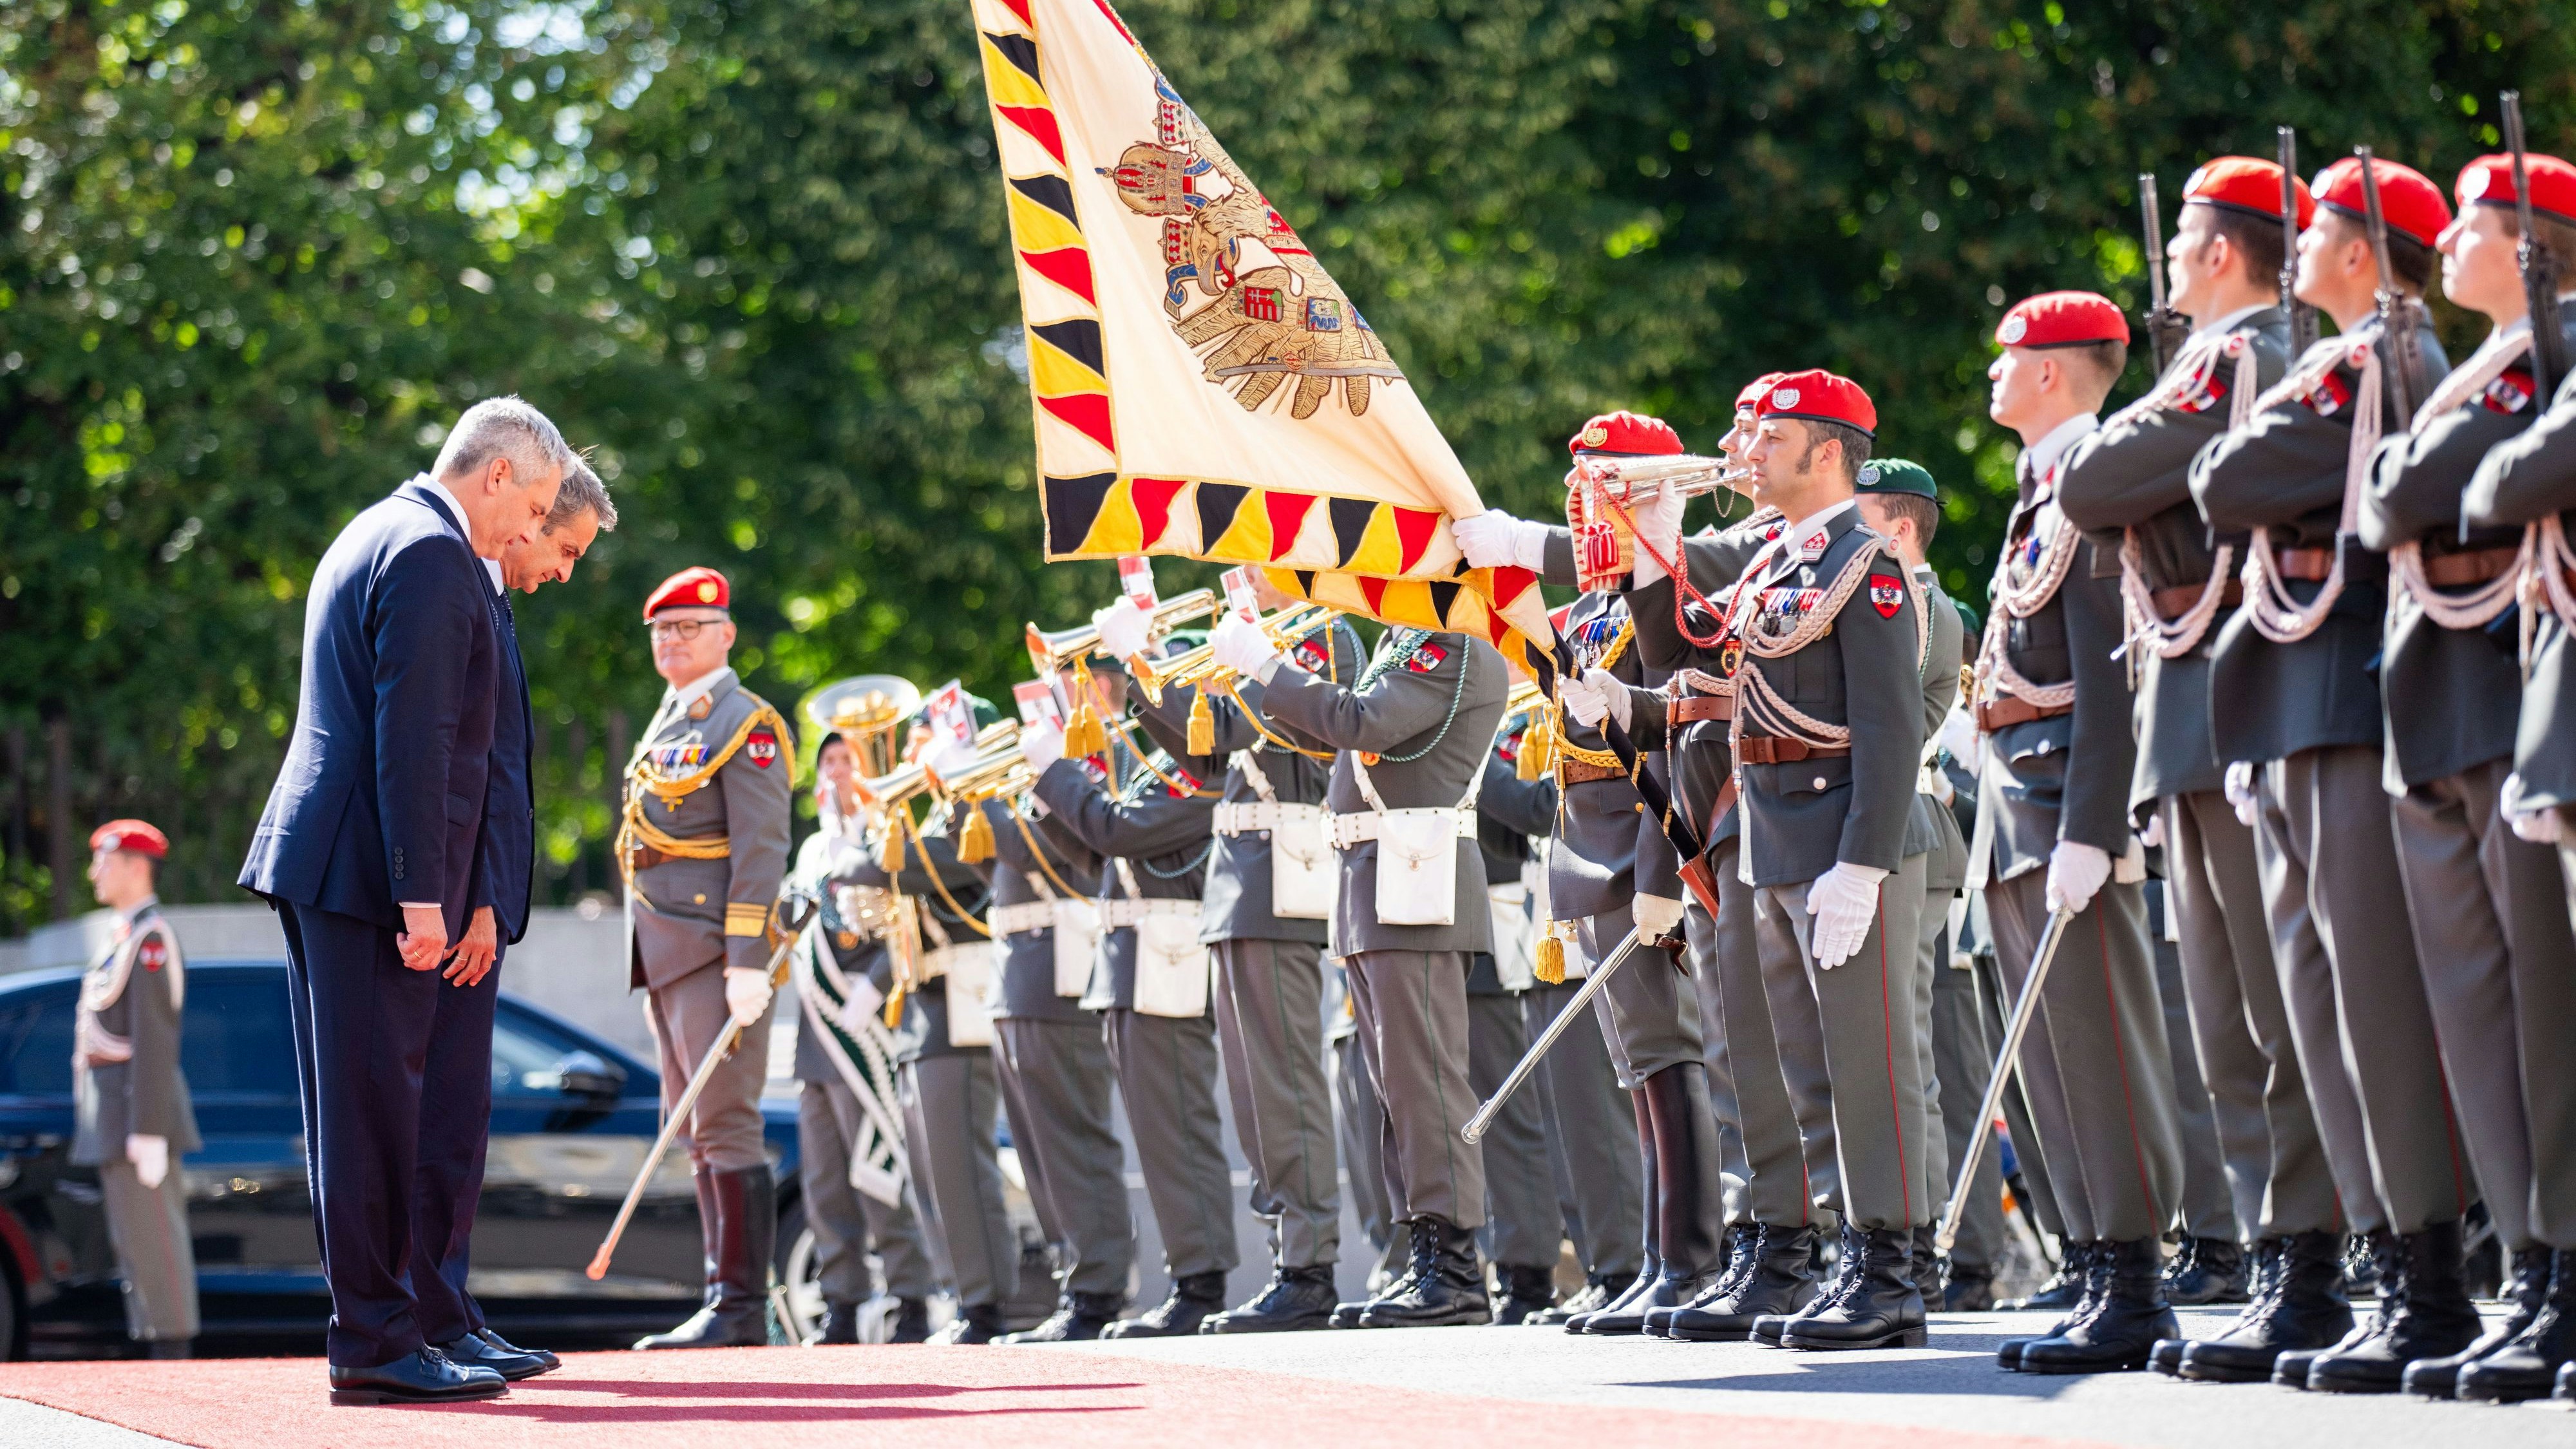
(2524, 1367)
(477, 1351)
(1192, 1299)
(1078, 1318)
(975, 1323)
(2128, 1318)
(2090, 1263)
(1529, 1289)
(2424, 1307)
(423, 1377)
(2300, 1309)
(506, 1346)
(1594, 1296)
(911, 1321)
(1294, 1301)
(2207, 1270)
(2525, 1291)
(1447, 1285)
(1779, 1278)
(1880, 1307)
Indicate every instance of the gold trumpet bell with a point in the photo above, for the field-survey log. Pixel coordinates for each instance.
(868, 710)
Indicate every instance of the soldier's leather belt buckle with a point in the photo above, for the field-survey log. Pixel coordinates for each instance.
(1578, 772)
(2477, 566)
(2307, 565)
(1692, 709)
(1770, 750)
(2173, 603)
(2012, 710)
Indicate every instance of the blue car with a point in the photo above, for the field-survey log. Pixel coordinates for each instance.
(572, 1118)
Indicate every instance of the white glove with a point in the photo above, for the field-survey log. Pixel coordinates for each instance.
(2075, 874)
(862, 1003)
(747, 993)
(1659, 527)
(1243, 647)
(1123, 628)
(1041, 745)
(1655, 916)
(150, 1156)
(2153, 837)
(1582, 699)
(2539, 824)
(1494, 539)
(1844, 902)
(2240, 792)
(1959, 737)
(1621, 709)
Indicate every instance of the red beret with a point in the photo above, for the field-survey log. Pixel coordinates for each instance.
(1625, 432)
(1818, 396)
(2411, 203)
(2062, 319)
(2488, 181)
(697, 588)
(1753, 390)
(2248, 184)
(138, 836)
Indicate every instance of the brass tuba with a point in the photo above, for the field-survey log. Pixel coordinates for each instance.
(868, 710)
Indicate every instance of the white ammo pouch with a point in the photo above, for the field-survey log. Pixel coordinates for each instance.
(1304, 872)
(1076, 924)
(1417, 851)
(1173, 970)
(1513, 961)
(969, 969)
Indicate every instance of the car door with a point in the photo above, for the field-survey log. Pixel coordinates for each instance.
(250, 1207)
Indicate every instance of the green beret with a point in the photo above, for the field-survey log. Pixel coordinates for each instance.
(1895, 475)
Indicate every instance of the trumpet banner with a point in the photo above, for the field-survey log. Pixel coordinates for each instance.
(1194, 371)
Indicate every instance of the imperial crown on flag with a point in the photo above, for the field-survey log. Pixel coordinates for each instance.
(1202, 387)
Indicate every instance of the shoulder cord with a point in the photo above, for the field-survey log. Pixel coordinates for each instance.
(1205, 851)
(2547, 562)
(1038, 852)
(930, 868)
(1385, 663)
(1252, 717)
(2183, 635)
(634, 829)
(2269, 605)
(1127, 731)
(1684, 593)
(2479, 606)
(1756, 691)
(1995, 673)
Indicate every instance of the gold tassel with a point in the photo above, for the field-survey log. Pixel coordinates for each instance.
(1202, 725)
(1549, 965)
(890, 848)
(894, 1009)
(975, 839)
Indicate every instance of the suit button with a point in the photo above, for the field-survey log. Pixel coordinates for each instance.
(702, 900)
(1820, 782)
(1639, 807)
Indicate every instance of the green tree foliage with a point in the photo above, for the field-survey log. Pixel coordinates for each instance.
(259, 252)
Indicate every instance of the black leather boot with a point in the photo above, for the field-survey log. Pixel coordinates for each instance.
(1078, 1318)
(1294, 1300)
(736, 1313)
(2207, 1270)
(1778, 1279)
(1192, 1299)
(840, 1325)
(1768, 1327)
(1594, 1296)
(1880, 1307)
(2305, 1311)
(1741, 1242)
(1529, 1289)
(2524, 1367)
(2063, 1290)
(1969, 1288)
(2431, 1316)
(911, 1321)
(1620, 1310)
(1690, 1192)
(1347, 1315)
(1448, 1285)
(2127, 1318)
(974, 1323)
(2090, 1261)
(2262, 1280)
(1927, 1265)
(2290, 1370)
(2525, 1289)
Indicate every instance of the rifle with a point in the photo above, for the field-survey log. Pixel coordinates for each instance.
(2303, 318)
(2539, 268)
(2164, 324)
(2396, 315)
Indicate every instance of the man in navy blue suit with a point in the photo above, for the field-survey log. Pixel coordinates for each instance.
(371, 852)
(449, 1184)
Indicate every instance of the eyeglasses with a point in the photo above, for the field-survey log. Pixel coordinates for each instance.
(684, 630)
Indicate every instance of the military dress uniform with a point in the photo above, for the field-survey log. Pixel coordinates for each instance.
(1156, 831)
(127, 1083)
(1524, 1226)
(1270, 975)
(1425, 709)
(705, 849)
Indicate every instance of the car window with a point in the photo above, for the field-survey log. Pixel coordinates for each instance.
(234, 1035)
(527, 1055)
(36, 1041)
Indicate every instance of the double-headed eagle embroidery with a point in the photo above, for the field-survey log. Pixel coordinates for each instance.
(1272, 311)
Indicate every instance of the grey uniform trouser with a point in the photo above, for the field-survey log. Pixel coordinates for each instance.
(1412, 1008)
(1364, 1152)
(1593, 1128)
(2102, 1096)
(846, 1221)
(1649, 1011)
(2346, 945)
(155, 1258)
(1963, 1062)
(948, 1109)
(2491, 928)
(1931, 933)
(2236, 935)
(1994, 1007)
(1055, 1079)
(1861, 1017)
(1269, 1017)
(1736, 1019)
(724, 1130)
(2208, 1193)
(1167, 1073)
(1526, 1226)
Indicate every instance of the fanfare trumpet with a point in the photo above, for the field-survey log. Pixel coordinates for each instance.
(1199, 666)
(1687, 474)
(1052, 650)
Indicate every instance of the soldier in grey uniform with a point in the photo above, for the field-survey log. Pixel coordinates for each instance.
(1269, 964)
(1361, 1121)
(1155, 830)
(2053, 705)
(2300, 667)
(132, 1119)
(1525, 1225)
(704, 845)
(2489, 908)
(1414, 730)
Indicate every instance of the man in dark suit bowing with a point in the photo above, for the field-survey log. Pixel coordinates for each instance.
(370, 852)
(450, 1164)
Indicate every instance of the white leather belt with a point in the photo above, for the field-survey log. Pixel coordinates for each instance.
(1019, 920)
(1244, 817)
(1509, 893)
(1127, 911)
(1349, 830)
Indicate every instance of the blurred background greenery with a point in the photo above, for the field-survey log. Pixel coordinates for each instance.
(256, 254)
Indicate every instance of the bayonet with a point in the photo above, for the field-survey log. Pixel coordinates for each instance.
(2539, 267)
(2303, 318)
(2164, 324)
(2396, 313)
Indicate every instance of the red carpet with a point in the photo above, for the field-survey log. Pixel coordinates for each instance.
(850, 1398)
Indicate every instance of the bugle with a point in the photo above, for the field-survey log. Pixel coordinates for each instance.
(1199, 666)
(1053, 650)
(1687, 474)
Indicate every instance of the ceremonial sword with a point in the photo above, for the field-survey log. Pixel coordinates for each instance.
(1474, 1131)
(2023, 1011)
